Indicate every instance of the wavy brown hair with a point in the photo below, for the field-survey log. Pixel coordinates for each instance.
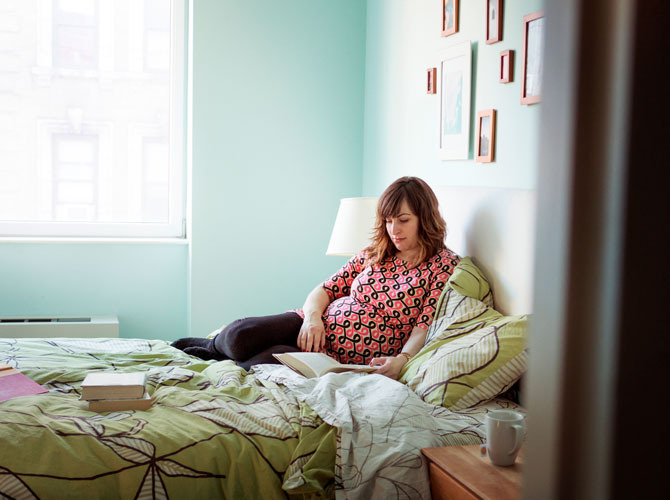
(423, 203)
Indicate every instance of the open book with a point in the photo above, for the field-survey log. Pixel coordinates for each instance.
(315, 364)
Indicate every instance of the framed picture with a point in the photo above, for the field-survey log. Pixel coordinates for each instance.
(449, 17)
(454, 88)
(493, 21)
(431, 81)
(486, 136)
(531, 64)
(506, 69)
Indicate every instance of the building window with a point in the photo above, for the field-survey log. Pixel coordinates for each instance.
(155, 185)
(75, 178)
(92, 135)
(75, 34)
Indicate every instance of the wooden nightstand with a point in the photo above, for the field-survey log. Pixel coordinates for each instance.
(461, 473)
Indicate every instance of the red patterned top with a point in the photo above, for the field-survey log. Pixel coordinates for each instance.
(373, 309)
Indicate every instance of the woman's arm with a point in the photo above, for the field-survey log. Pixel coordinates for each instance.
(392, 365)
(312, 335)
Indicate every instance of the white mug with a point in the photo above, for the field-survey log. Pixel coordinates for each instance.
(504, 435)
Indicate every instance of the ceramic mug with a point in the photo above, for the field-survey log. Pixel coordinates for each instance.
(504, 435)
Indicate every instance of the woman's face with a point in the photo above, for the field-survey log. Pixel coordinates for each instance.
(403, 229)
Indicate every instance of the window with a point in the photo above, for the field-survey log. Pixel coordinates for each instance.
(75, 34)
(75, 177)
(92, 118)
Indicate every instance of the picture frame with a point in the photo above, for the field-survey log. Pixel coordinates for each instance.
(494, 15)
(531, 63)
(431, 81)
(449, 17)
(485, 136)
(455, 82)
(506, 66)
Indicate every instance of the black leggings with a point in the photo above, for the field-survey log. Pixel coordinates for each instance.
(251, 341)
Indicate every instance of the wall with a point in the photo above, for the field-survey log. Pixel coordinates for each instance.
(143, 284)
(401, 120)
(277, 141)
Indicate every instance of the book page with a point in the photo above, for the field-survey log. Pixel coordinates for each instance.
(315, 364)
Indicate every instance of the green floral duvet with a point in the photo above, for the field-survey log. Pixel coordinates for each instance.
(216, 431)
(213, 431)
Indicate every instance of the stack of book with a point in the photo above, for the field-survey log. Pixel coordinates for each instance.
(114, 391)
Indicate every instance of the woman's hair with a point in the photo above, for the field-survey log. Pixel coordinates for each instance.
(423, 203)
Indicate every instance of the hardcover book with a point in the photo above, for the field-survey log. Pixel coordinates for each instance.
(113, 385)
(99, 405)
(13, 384)
(316, 364)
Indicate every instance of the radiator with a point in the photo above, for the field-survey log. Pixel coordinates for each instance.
(70, 326)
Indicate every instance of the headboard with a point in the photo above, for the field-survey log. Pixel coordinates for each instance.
(496, 229)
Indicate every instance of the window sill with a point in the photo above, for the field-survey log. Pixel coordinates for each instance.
(99, 240)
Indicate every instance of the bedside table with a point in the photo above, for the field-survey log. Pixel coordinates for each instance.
(461, 473)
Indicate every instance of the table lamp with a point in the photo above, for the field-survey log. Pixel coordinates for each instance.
(354, 226)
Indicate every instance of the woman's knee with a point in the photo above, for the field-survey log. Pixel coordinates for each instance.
(234, 339)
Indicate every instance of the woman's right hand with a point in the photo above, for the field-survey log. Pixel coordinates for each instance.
(312, 335)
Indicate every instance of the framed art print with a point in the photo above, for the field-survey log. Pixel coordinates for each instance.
(455, 72)
(486, 136)
(506, 67)
(449, 17)
(531, 63)
(431, 83)
(493, 21)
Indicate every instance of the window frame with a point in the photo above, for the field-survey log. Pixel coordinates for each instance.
(175, 227)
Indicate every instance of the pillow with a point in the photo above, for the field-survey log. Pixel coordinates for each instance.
(466, 295)
(472, 352)
(469, 281)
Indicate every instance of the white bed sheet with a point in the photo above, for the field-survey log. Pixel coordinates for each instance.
(382, 426)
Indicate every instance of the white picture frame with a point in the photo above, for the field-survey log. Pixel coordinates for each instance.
(455, 81)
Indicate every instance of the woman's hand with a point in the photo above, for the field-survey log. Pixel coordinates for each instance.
(312, 335)
(389, 365)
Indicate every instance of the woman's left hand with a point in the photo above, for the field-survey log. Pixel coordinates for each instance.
(389, 365)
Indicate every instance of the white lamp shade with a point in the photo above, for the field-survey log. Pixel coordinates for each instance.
(354, 226)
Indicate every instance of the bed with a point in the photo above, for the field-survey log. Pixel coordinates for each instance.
(217, 431)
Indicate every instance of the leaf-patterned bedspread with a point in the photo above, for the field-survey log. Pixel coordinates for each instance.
(216, 431)
(213, 431)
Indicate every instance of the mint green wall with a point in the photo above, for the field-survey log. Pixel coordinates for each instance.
(401, 120)
(277, 141)
(143, 284)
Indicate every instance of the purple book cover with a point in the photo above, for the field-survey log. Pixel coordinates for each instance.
(13, 383)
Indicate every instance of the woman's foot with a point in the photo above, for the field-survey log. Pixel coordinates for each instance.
(204, 353)
(186, 342)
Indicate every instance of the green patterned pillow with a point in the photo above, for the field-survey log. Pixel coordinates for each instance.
(472, 352)
(467, 279)
(469, 361)
(466, 295)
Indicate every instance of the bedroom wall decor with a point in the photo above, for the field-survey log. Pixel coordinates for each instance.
(449, 17)
(431, 81)
(486, 136)
(494, 15)
(506, 67)
(455, 84)
(531, 63)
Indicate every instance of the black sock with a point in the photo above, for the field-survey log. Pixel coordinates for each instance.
(185, 342)
(204, 353)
